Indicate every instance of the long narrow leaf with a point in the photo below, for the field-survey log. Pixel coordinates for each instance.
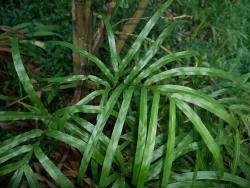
(65, 79)
(110, 152)
(198, 98)
(30, 176)
(112, 47)
(144, 33)
(236, 151)
(91, 57)
(162, 62)
(183, 71)
(205, 134)
(16, 140)
(52, 170)
(97, 132)
(16, 179)
(75, 142)
(213, 175)
(142, 133)
(14, 166)
(13, 116)
(170, 144)
(23, 77)
(14, 152)
(149, 54)
(150, 143)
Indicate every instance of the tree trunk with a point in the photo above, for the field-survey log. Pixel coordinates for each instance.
(82, 16)
(82, 33)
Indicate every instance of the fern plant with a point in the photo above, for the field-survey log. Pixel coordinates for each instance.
(152, 128)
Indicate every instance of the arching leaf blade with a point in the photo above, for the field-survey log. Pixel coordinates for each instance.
(162, 62)
(86, 54)
(212, 175)
(9, 154)
(200, 99)
(203, 131)
(23, 77)
(190, 71)
(16, 140)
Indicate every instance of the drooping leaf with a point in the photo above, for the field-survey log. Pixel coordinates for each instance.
(16, 140)
(9, 154)
(23, 77)
(203, 131)
(52, 170)
(183, 71)
(198, 98)
(10, 167)
(162, 62)
(212, 175)
(86, 54)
